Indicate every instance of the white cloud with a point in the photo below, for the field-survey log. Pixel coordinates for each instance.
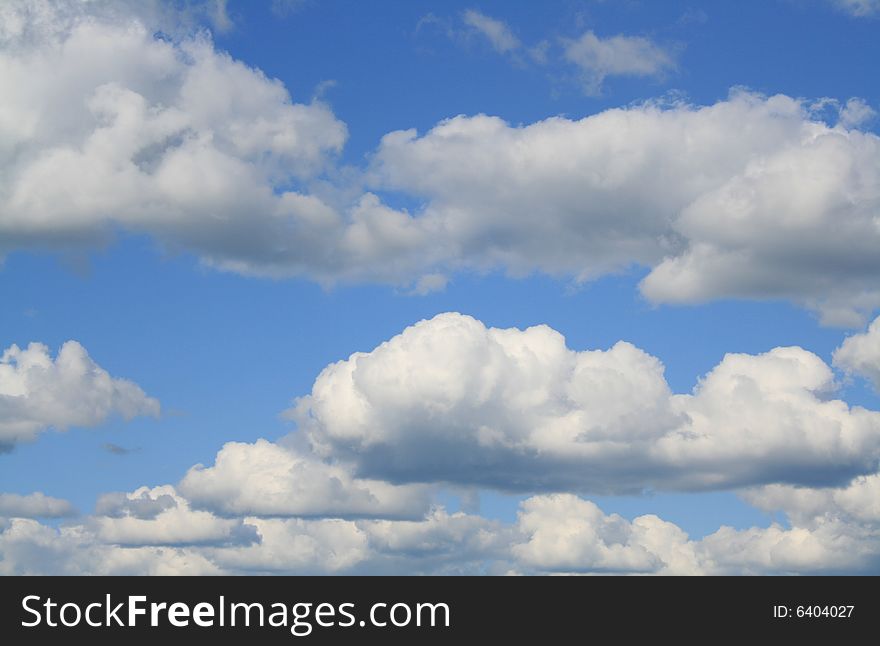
(564, 533)
(449, 400)
(38, 392)
(860, 354)
(557, 533)
(747, 198)
(106, 124)
(497, 32)
(159, 516)
(598, 58)
(265, 479)
(856, 502)
(299, 546)
(35, 505)
(30, 548)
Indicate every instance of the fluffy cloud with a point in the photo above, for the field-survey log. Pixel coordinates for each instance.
(598, 58)
(159, 516)
(557, 533)
(35, 505)
(450, 400)
(564, 533)
(860, 354)
(130, 535)
(856, 502)
(107, 125)
(30, 548)
(38, 392)
(495, 31)
(266, 479)
(749, 198)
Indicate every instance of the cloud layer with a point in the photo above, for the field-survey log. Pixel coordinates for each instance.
(557, 533)
(109, 126)
(450, 405)
(38, 392)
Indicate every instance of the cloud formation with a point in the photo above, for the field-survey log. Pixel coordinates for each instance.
(38, 392)
(450, 400)
(266, 479)
(860, 354)
(749, 198)
(108, 125)
(35, 505)
(159, 516)
(557, 533)
(598, 58)
(859, 8)
(495, 31)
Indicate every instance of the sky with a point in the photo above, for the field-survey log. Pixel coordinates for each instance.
(324, 286)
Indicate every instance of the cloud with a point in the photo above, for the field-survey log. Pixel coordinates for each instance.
(115, 449)
(860, 354)
(751, 197)
(565, 534)
(568, 534)
(159, 516)
(108, 125)
(30, 548)
(35, 505)
(557, 533)
(450, 400)
(702, 196)
(497, 32)
(598, 58)
(109, 128)
(856, 502)
(859, 8)
(38, 392)
(265, 479)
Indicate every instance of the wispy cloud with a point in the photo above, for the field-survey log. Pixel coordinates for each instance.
(598, 58)
(859, 7)
(496, 31)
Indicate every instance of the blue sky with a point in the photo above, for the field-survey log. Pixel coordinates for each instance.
(226, 352)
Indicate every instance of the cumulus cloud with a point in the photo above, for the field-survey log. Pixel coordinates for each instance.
(35, 505)
(558, 533)
(564, 533)
(159, 516)
(598, 58)
(751, 197)
(106, 124)
(38, 392)
(266, 479)
(860, 354)
(497, 32)
(28, 547)
(856, 502)
(449, 400)
(127, 535)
